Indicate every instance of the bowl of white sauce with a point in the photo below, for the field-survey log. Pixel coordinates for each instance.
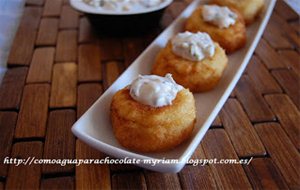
(122, 16)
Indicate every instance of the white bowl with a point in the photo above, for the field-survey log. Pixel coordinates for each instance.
(122, 22)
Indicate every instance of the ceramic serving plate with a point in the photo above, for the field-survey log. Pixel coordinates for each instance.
(94, 127)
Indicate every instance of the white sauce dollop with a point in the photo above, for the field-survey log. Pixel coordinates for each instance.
(193, 46)
(154, 90)
(222, 17)
(123, 5)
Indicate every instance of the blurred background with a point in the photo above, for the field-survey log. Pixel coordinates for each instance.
(10, 13)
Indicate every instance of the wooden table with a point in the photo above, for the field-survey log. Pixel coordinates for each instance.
(58, 68)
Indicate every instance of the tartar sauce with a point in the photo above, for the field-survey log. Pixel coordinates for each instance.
(193, 46)
(222, 17)
(123, 5)
(154, 90)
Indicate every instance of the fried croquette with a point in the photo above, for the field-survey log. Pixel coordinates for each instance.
(144, 128)
(250, 9)
(198, 76)
(231, 38)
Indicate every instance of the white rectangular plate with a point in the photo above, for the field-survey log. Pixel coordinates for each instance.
(94, 127)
